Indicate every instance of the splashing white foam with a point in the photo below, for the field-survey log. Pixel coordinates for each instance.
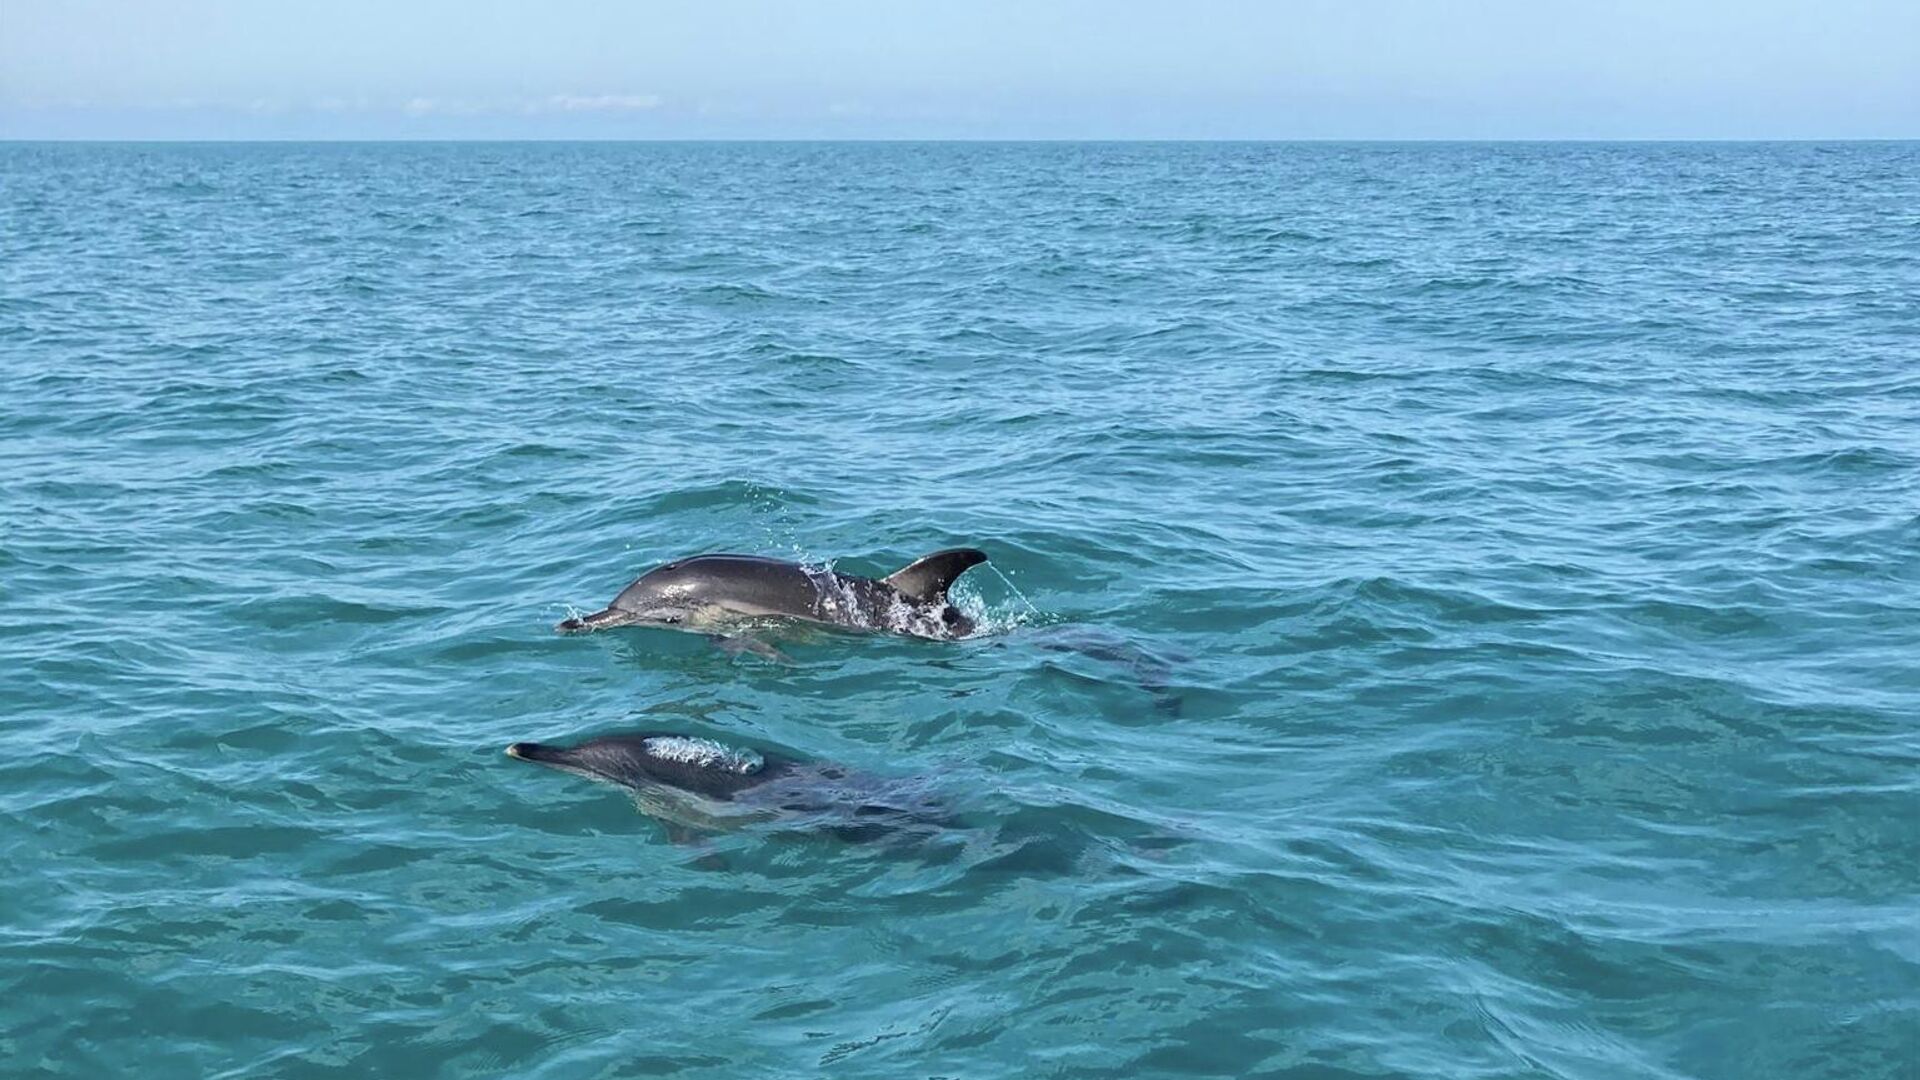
(704, 754)
(838, 596)
(902, 617)
(990, 619)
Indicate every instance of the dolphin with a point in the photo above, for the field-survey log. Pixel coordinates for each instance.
(1152, 670)
(722, 594)
(693, 784)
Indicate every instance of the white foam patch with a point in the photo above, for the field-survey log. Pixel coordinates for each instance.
(991, 619)
(704, 754)
(840, 598)
(901, 617)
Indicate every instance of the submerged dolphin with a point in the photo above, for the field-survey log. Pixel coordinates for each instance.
(718, 594)
(695, 784)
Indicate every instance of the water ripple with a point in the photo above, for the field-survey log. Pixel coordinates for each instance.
(1457, 620)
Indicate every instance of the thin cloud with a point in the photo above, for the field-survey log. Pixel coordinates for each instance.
(573, 103)
(604, 102)
(342, 104)
(418, 107)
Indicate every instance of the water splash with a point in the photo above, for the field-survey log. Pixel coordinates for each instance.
(1015, 589)
(991, 619)
(705, 754)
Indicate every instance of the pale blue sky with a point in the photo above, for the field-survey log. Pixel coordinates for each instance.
(961, 69)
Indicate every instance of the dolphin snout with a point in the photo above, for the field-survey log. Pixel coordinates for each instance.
(531, 751)
(599, 620)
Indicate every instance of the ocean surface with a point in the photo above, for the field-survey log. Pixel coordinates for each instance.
(1454, 610)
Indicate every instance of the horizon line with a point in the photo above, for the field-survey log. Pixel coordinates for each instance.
(189, 140)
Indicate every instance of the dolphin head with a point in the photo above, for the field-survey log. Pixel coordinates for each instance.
(616, 759)
(682, 762)
(661, 597)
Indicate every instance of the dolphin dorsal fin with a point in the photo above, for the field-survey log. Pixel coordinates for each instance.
(927, 579)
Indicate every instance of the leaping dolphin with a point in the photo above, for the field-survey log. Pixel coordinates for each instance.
(720, 594)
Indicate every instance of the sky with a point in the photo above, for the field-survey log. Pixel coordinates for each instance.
(961, 69)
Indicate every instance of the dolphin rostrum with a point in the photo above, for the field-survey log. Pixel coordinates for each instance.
(721, 594)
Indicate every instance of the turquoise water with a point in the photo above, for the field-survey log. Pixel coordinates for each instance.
(1459, 614)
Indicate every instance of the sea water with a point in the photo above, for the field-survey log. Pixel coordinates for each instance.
(1474, 622)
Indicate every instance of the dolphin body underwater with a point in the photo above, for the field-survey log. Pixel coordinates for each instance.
(724, 594)
(696, 785)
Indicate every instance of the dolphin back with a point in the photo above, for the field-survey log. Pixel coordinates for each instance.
(705, 592)
(746, 582)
